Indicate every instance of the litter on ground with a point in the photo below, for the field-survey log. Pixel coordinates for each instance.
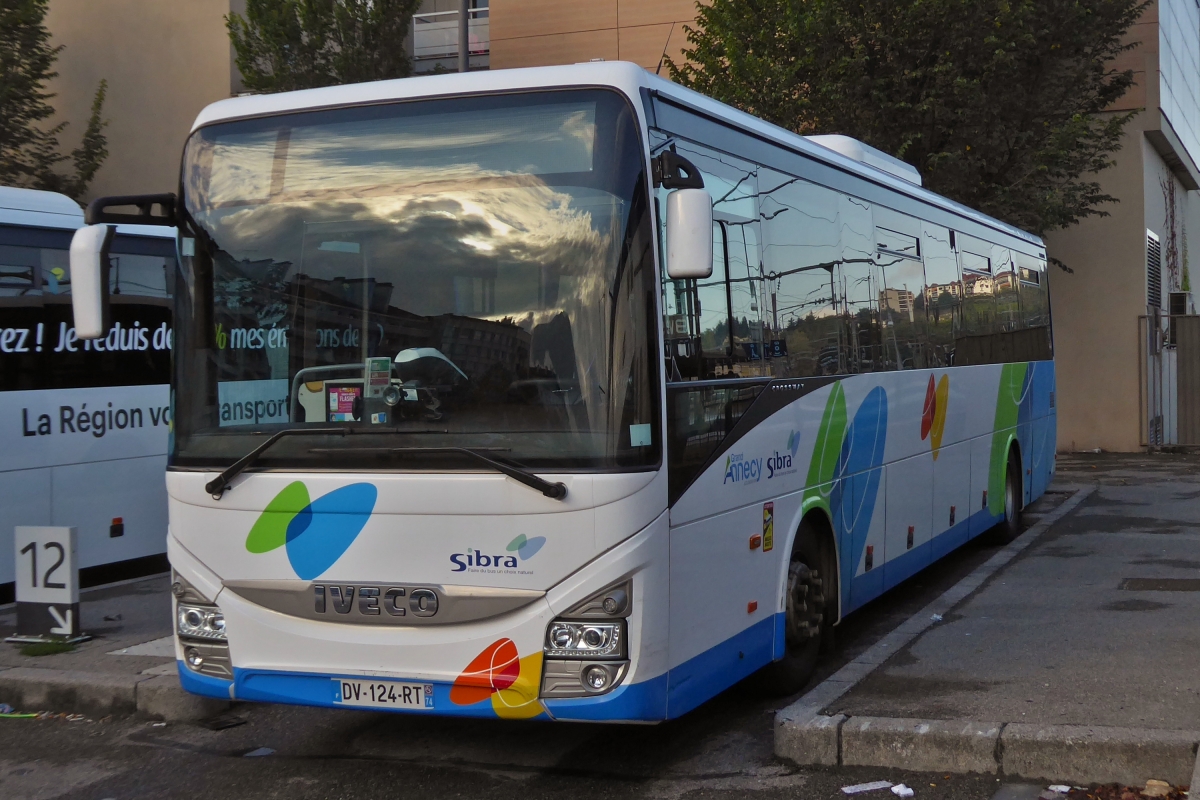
(866, 787)
(900, 790)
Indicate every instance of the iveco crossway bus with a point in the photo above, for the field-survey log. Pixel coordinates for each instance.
(567, 392)
(85, 422)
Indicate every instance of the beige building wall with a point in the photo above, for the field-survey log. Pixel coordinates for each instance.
(1096, 308)
(535, 33)
(164, 61)
(1102, 390)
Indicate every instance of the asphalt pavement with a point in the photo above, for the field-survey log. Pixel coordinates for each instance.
(1094, 624)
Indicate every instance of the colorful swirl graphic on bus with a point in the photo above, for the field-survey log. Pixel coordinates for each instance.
(856, 478)
(499, 674)
(844, 467)
(933, 416)
(315, 532)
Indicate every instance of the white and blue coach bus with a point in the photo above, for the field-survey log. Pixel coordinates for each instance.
(583, 396)
(85, 422)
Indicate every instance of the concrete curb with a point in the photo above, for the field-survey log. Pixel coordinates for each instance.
(1078, 754)
(1196, 772)
(100, 694)
(1045, 753)
(920, 745)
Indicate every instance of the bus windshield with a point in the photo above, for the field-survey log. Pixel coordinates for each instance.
(468, 272)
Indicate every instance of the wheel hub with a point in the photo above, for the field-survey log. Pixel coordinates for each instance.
(805, 604)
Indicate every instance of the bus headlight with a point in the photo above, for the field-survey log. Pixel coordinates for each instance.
(566, 639)
(200, 622)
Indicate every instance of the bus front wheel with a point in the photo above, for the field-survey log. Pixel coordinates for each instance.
(806, 623)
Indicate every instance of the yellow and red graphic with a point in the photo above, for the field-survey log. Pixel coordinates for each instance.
(499, 673)
(933, 417)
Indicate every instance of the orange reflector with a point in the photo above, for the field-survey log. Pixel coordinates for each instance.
(752, 606)
(755, 542)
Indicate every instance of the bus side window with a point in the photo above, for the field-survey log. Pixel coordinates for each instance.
(712, 310)
(696, 321)
(801, 249)
(1008, 303)
(20, 270)
(703, 338)
(974, 343)
(858, 281)
(750, 317)
(901, 289)
(698, 420)
(1035, 308)
(941, 299)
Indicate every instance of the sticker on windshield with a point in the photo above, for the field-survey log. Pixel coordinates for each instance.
(379, 375)
(639, 435)
(341, 403)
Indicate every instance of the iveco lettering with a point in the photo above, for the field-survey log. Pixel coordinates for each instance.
(483, 382)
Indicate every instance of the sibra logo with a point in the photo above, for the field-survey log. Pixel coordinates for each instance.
(781, 463)
(315, 532)
(739, 469)
(479, 561)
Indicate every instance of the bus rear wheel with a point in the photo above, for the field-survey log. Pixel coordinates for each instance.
(806, 622)
(1009, 528)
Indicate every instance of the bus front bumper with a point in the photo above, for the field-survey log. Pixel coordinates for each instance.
(491, 668)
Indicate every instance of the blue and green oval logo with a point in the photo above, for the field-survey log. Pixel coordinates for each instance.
(315, 532)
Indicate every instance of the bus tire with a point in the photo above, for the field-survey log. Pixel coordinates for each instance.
(1009, 528)
(808, 610)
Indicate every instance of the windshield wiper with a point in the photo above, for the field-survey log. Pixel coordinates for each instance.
(220, 484)
(555, 491)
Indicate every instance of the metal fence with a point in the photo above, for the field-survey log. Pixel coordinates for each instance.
(1169, 356)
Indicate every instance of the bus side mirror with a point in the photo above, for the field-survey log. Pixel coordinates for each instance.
(689, 234)
(89, 280)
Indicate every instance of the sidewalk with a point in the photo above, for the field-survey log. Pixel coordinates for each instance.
(1073, 655)
(128, 666)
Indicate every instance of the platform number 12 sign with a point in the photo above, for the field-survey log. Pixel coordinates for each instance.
(47, 581)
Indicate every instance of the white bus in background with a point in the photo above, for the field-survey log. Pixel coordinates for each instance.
(567, 392)
(83, 424)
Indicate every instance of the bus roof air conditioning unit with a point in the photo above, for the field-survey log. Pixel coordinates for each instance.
(865, 154)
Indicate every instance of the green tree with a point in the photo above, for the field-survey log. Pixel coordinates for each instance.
(29, 152)
(281, 45)
(1001, 104)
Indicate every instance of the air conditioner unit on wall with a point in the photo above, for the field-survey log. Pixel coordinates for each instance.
(1180, 303)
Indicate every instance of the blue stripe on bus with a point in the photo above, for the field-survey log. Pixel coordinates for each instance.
(635, 701)
(684, 687)
(203, 685)
(719, 667)
(317, 689)
(780, 637)
(869, 585)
